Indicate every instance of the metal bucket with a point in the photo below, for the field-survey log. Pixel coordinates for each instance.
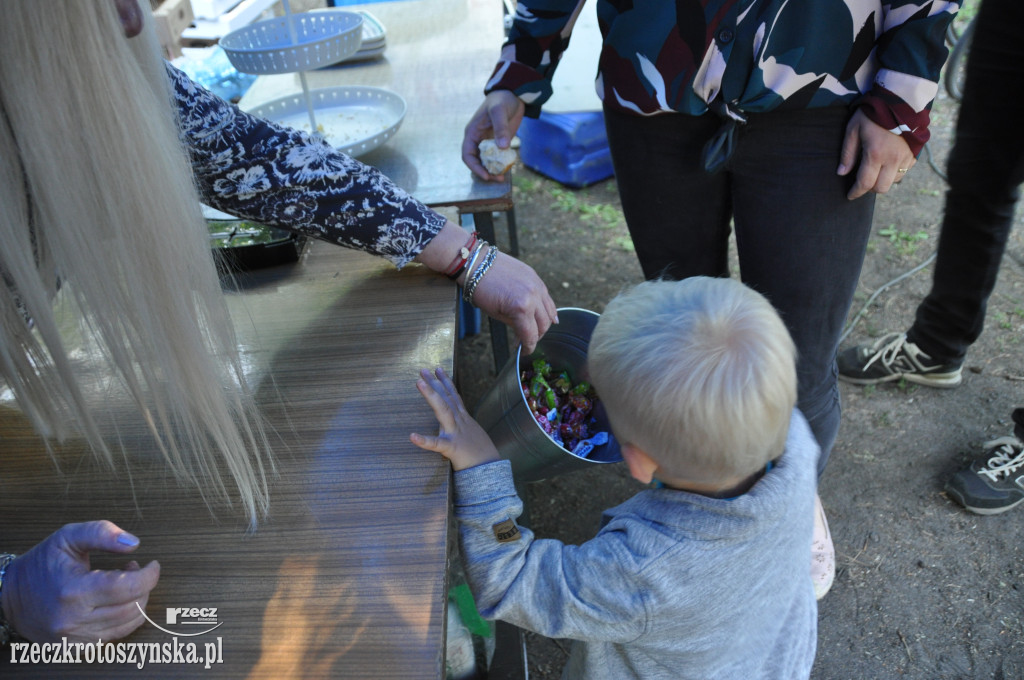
(503, 411)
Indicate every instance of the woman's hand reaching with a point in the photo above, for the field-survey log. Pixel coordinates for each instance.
(513, 293)
(510, 291)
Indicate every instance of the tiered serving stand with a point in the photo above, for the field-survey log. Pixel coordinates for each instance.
(353, 119)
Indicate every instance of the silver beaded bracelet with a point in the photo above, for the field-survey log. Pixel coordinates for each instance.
(473, 280)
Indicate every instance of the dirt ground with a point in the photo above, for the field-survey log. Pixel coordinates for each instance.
(923, 589)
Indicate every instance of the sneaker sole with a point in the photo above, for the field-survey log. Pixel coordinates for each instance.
(940, 380)
(982, 511)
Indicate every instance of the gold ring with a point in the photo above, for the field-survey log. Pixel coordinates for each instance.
(902, 170)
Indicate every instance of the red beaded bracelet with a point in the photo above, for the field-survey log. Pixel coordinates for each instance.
(458, 265)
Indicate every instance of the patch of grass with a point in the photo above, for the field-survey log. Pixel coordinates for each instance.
(1008, 342)
(623, 242)
(564, 200)
(525, 183)
(1005, 319)
(906, 387)
(869, 391)
(905, 242)
(606, 215)
(602, 215)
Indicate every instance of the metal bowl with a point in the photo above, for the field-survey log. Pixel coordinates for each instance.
(505, 415)
(240, 245)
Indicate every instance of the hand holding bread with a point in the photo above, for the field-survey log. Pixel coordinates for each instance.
(497, 119)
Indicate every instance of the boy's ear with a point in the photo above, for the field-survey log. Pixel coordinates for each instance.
(641, 466)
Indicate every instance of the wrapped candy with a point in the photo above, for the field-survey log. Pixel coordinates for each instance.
(561, 408)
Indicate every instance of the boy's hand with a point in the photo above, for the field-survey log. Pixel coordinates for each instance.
(461, 439)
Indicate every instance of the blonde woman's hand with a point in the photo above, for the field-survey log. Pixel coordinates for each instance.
(461, 439)
(513, 293)
(51, 592)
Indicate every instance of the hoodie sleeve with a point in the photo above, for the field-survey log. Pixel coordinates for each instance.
(556, 590)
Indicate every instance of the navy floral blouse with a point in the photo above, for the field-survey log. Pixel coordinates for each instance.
(257, 170)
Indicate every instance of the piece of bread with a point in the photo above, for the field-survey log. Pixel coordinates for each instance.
(496, 160)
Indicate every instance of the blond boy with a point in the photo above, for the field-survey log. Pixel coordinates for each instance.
(704, 576)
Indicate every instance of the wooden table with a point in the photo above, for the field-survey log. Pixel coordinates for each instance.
(439, 55)
(347, 579)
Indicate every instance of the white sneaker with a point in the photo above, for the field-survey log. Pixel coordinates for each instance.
(823, 553)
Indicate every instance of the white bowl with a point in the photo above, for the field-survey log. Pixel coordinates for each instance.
(353, 119)
(321, 39)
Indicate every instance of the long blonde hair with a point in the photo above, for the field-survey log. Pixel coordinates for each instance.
(96, 193)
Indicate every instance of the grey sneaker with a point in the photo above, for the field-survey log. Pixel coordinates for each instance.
(994, 481)
(893, 357)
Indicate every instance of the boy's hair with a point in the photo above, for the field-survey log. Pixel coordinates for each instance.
(699, 373)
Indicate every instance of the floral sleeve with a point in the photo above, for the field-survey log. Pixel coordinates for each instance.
(278, 176)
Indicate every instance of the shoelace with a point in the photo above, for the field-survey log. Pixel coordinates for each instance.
(888, 352)
(1009, 455)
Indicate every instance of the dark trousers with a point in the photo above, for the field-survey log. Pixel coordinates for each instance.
(986, 168)
(801, 243)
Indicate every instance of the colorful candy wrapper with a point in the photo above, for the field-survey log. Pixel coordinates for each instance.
(585, 446)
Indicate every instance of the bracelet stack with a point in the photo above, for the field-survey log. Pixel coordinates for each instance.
(6, 632)
(458, 265)
(474, 276)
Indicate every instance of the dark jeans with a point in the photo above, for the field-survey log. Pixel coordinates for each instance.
(986, 168)
(801, 243)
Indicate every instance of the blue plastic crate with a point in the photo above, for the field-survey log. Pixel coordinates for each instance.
(571, 148)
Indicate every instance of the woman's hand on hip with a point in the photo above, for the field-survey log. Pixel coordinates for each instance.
(884, 157)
